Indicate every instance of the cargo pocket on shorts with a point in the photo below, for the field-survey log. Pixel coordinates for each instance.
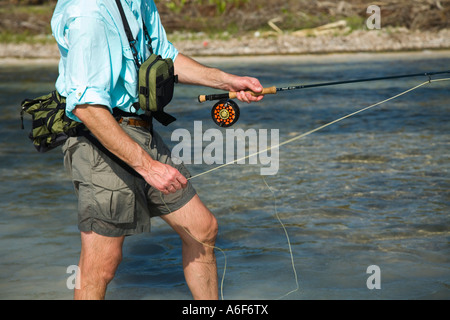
(114, 198)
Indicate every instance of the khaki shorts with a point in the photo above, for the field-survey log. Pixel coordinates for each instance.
(111, 201)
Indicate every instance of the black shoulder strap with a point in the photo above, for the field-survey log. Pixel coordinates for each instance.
(161, 116)
(147, 37)
(131, 40)
(129, 34)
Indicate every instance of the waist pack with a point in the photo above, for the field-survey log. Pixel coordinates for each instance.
(50, 126)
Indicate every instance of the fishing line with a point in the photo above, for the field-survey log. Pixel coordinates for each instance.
(288, 241)
(204, 244)
(318, 128)
(290, 141)
(225, 113)
(270, 189)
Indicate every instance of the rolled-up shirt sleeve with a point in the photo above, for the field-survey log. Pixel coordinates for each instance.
(89, 78)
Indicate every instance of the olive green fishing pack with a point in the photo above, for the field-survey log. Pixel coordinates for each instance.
(50, 125)
(156, 83)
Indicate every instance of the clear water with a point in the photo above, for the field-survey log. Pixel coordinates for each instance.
(373, 189)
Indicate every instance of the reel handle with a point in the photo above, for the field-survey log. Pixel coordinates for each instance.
(232, 95)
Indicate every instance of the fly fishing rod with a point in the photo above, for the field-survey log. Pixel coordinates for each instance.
(226, 112)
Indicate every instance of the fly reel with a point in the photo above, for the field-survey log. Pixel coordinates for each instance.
(225, 113)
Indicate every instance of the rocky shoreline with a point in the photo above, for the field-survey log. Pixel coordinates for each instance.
(290, 44)
(390, 40)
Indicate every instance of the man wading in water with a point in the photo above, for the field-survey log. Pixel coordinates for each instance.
(98, 77)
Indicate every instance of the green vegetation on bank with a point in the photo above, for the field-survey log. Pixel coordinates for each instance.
(28, 23)
(29, 20)
(221, 5)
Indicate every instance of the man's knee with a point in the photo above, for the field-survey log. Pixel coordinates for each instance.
(204, 232)
(97, 272)
(100, 257)
(212, 231)
(110, 267)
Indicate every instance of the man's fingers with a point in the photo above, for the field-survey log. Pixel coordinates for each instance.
(242, 96)
(176, 185)
(166, 178)
(183, 181)
(255, 85)
(177, 182)
(248, 97)
(244, 84)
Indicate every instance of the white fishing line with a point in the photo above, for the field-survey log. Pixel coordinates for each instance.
(288, 241)
(285, 143)
(204, 244)
(318, 128)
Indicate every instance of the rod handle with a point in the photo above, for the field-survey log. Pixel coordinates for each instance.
(232, 95)
(269, 90)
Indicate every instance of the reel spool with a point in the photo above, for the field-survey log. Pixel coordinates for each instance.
(225, 113)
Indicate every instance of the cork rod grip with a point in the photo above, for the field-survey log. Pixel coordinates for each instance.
(270, 90)
(232, 95)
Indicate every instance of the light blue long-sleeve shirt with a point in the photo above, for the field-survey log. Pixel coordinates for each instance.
(97, 64)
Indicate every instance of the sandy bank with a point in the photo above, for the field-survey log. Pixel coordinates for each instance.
(357, 41)
(392, 40)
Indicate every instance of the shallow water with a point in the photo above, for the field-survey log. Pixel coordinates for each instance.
(370, 190)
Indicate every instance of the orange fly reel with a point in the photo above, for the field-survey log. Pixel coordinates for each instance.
(225, 113)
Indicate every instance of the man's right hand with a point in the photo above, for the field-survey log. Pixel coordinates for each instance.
(104, 127)
(163, 177)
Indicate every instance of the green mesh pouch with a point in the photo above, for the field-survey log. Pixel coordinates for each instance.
(50, 125)
(156, 85)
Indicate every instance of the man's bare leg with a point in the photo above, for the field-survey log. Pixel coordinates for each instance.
(197, 228)
(99, 259)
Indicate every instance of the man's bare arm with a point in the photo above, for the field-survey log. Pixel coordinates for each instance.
(190, 71)
(163, 177)
(105, 128)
